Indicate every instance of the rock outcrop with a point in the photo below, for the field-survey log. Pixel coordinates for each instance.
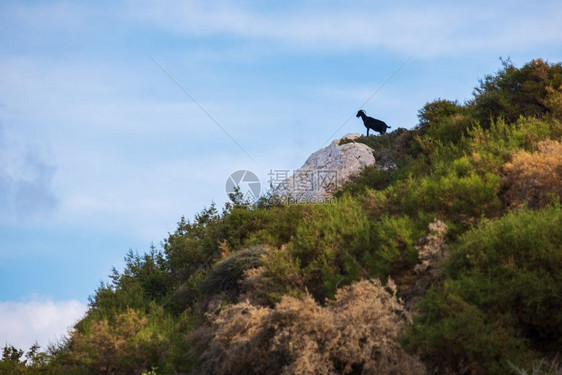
(325, 171)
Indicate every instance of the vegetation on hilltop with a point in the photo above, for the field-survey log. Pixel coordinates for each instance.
(472, 195)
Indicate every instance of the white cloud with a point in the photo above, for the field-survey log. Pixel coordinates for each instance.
(41, 320)
(429, 30)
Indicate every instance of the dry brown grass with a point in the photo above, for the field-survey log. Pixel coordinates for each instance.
(534, 179)
(354, 334)
(432, 251)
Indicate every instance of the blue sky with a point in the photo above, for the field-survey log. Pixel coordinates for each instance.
(100, 152)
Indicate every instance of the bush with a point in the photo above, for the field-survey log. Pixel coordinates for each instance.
(354, 334)
(393, 247)
(530, 91)
(327, 244)
(450, 130)
(279, 228)
(241, 223)
(444, 121)
(462, 196)
(194, 245)
(226, 274)
(280, 275)
(438, 110)
(144, 278)
(534, 179)
(500, 301)
(371, 177)
(491, 148)
(131, 343)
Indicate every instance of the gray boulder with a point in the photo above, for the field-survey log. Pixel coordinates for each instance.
(325, 171)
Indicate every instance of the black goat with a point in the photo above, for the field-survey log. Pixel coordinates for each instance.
(372, 123)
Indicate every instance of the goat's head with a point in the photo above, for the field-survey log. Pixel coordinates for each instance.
(360, 113)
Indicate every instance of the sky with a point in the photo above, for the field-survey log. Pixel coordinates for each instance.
(117, 118)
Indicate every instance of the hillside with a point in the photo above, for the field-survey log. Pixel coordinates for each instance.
(443, 257)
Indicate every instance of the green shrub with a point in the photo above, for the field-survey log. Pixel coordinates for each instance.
(454, 336)
(371, 177)
(438, 110)
(323, 254)
(461, 195)
(501, 300)
(393, 248)
(491, 148)
(327, 243)
(240, 224)
(194, 245)
(521, 254)
(280, 226)
(131, 342)
(530, 91)
(451, 129)
(280, 275)
(145, 278)
(225, 275)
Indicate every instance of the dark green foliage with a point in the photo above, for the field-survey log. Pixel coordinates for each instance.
(281, 227)
(226, 274)
(522, 255)
(144, 279)
(15, 361)
(240, 224)
(530, 91)
(454, 336)
(501, 300)
(444, 121)
(12, 361)
(193, 245)
(371, 177)
(190, 251)
(433, 113)
(337, 244)
(282, 275)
